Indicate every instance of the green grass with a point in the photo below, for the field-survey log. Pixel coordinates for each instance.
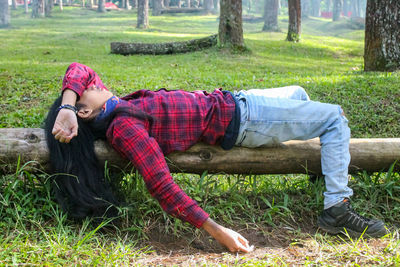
(277, 213)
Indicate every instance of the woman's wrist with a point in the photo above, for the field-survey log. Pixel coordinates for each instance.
(69, 97)
(212, 227)
(68, 107)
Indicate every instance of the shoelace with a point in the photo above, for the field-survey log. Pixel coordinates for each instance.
(357, 216)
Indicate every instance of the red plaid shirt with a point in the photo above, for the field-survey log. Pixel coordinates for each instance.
(181, 119)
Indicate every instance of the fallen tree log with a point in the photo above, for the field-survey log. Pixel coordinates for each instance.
(290, 157)
(163, 48)
(252, 19)
(181, 10)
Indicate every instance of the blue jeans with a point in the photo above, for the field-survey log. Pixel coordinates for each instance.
(271, 116)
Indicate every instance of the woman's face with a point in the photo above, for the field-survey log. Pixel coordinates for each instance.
(93, 100)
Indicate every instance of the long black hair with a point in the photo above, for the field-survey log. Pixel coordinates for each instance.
(79, 182)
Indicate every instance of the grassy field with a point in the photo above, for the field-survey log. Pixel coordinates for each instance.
(276, 213)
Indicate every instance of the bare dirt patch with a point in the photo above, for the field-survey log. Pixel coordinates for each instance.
(273, 246)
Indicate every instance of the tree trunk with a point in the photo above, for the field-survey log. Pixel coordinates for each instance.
(230, 32)
(60, 3)
(143, 14)
(271, 8)
(101, 6)
(49, 4)
(14, 4)
(346, 8)
(89, 3)
(163, 48)
(316, 8)
(369, 155)
(4, 14)
(294, 21)
(166, 3)
(382, 36)
(26, 6)
(157, 7)
(38, 7)
(337, 10)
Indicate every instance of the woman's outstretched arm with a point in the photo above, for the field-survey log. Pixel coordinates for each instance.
(130, 138)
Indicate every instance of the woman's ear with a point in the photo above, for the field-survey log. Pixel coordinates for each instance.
(85, 113)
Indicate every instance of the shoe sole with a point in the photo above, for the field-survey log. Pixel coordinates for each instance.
(342, 230)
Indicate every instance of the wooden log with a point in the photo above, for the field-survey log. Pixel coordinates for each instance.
(252, 19)
(163, 48)
(181, 10)
(290, 157)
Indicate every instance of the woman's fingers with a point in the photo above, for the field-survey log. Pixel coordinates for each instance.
(65, 127)
(241, 244)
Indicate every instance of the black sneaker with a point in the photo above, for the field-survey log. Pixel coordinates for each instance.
(341, 218)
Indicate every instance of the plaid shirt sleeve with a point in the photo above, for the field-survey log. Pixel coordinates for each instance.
(79, 77)
(130, 138)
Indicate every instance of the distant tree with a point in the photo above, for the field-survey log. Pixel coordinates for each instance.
(14, 4)
(4, 13)
(124, 4)
(382, 36)
(305, 8)
(37, 8)
(328, 4)
(60, 3)
(357, 8)
(89, 3)
(294, 21)
(230, 32)
(216, 6)
(26, 6)
(337, 9)
(48, 7)
(101, 6)
(315, 8)
(158, 5)
(346, 7)
(271, 8)
(143, 14)
(208, 6)
(166, 3)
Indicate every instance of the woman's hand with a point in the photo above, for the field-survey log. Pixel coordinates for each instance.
(234, 241)
(66, 126)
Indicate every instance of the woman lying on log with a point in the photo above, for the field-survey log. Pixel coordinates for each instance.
(146, 125)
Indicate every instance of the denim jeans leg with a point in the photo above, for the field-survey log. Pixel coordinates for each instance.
(290, 92)
(269, 120)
